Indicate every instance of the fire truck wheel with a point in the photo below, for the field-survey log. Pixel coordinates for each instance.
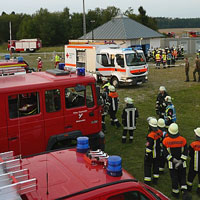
(115, 82)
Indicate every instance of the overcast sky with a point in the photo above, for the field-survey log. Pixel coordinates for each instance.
(154, 8)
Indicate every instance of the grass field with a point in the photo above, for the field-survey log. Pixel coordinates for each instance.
(186, 98)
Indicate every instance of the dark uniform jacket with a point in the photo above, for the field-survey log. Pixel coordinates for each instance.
(129, 116)
(194, 153)
(175, 148)
(160, 104)
(153, 144)
(113, 101)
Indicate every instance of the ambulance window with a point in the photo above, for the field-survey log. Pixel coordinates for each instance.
(120, 59)
(89, 96)
(52, 100)
(22, 105)
(74, 98)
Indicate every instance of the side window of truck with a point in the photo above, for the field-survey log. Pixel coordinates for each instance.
(52, 100)
(89, 96)
(22, 105)
(74, 98)
(120, 59)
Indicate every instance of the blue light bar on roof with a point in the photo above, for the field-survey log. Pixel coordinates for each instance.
(127, 49)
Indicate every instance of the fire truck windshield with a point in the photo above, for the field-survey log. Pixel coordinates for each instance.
(135, 59)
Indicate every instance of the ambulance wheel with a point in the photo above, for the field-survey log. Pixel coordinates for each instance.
(115, 82)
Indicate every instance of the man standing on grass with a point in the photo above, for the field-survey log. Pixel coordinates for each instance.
(187, 66)
(197, 69)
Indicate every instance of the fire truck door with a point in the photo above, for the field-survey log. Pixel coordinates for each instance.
(3, 126)
(80, 112)
(25, 123)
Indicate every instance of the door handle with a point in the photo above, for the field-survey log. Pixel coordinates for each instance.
(13, 138)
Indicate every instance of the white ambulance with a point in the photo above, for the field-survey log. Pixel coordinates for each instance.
(122, 66)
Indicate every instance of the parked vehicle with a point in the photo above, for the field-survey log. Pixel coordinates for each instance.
(28, 45)
(70, 175)
(120, 65)
(46, 110)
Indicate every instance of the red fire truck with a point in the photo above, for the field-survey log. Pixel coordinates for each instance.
(68, 174)
(29, 45)
(47, 110)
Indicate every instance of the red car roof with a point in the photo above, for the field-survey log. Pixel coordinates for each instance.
(65, 172)
(42, 79)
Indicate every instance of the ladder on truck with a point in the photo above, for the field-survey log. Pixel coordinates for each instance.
(12, 71)
(14, 181)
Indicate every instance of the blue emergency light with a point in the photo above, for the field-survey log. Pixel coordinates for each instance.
(61, 66)
(20, 59)
(114, 166)
(127, 49)
(82, 144)
(80, 71)
(7, 57)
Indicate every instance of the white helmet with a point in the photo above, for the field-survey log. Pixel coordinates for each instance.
(197, 131)
(128, 100)
(39, 58)
(161, 123)
(111, 88)
(173, 129)
(153, 122)
(162, 88)
(168, 99)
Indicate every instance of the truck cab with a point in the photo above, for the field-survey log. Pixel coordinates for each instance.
(48, 110)
(68, 174)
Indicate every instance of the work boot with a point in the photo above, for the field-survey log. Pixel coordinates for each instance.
(198, 191)
(112, 123)
(186, 196)
(194, 80)
(147, 182)
(176, 195)
(118, 124)
(123, 140)
(155, 181)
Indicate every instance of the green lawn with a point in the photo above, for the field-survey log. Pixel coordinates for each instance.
(186, 98)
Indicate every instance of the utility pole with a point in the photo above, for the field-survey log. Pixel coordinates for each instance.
(10, 28)
(84, 22)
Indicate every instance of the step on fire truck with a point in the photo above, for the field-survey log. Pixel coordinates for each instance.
(28, 45)
(71, 175)
(120, 65)
(47, 110)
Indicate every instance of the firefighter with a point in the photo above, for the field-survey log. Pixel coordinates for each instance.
(158, 60)
(113, 106)
(57, 60)
(129, 117)
(162, 127)
(105, 103)
(187, 66)
(160, 102)
(39, 65)
(164, 59)
(197, 69)
(194, 169)
(169, 58)
(175, 151)
(170, 112)
(152, 152)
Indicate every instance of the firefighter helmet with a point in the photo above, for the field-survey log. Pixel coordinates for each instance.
(153, 122)
(162, 88)
(128, 100)
(173, 129)
(161, 123)
(168, 99)
(39, 58)
(197, 131)
(111, 88)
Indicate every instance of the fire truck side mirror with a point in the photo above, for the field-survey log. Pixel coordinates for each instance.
(98, 95)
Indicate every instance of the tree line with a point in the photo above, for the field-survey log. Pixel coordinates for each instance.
(55, 28)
